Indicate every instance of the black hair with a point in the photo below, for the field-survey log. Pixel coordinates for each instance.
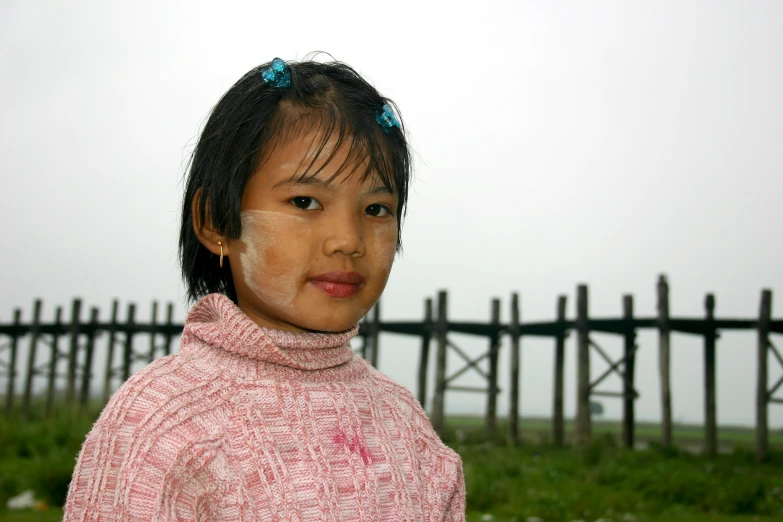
(249, 120)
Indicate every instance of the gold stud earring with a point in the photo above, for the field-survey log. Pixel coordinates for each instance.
(220, 243)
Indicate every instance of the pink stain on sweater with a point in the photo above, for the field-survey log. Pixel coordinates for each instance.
(219, 432)
(355, 445)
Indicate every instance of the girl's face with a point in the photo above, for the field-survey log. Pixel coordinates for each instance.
(314, 253)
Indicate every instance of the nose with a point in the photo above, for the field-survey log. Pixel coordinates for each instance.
(344, 235)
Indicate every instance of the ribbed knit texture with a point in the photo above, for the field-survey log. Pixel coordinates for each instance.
(251, 424)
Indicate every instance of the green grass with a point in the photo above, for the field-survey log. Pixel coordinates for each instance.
(50, 515)
(40, 454)
(506, 483)
(56, 515)
(605, 481)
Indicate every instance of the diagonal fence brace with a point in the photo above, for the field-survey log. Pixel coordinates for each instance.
(471, 363)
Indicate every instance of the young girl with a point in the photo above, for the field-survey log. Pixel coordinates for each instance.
(290, 225)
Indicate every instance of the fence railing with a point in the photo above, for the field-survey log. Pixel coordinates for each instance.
(74, 341)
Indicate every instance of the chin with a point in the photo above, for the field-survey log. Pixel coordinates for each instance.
(330, 324)
(329, 327)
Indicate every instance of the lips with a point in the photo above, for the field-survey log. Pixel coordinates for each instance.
(338, 284)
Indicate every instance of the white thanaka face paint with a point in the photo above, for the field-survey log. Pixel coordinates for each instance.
(386, 244)
(267, 270)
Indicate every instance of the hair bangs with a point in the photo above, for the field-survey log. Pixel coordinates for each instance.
(330, 131)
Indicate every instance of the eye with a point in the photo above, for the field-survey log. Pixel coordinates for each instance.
(378, 210)
(305, 203)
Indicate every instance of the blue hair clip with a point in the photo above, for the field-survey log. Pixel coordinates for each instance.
(386, 118)
(277, 74)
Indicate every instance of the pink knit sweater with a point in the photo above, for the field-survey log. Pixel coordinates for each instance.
(251, 424)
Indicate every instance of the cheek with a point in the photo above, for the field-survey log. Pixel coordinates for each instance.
(272, 257)
(385, 245)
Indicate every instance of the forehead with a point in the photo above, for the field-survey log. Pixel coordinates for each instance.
(335, 158)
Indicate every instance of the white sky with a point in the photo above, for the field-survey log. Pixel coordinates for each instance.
(557, 143)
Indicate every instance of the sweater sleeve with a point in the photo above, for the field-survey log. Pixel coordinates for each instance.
(441, 468)
(146, 452)
(455, 510)
(108, 460)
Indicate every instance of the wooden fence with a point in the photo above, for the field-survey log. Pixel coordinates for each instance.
(80, 339)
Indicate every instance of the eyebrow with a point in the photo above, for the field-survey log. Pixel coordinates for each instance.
(327, 185)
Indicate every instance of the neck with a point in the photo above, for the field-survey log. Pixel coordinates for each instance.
(218, 322)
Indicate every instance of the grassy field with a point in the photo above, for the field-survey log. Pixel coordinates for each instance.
(605, 481)
(532, 482)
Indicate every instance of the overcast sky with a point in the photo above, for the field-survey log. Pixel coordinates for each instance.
(556, 143)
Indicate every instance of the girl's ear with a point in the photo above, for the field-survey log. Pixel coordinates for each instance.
(205, 232)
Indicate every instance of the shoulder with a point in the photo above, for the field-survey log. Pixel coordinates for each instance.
(160, 396)
(401, 395)
(156, 384)
(136, 389)
(145, 440)
(157, 412)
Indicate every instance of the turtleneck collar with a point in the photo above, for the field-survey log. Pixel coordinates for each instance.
(217, 321)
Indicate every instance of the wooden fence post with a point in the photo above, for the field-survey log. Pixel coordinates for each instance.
(490, 424)
(28, 382)
(424, 354)
(710, 419)
(89, 349)
(54, 359)
(107, 376)
(583, 421)
(9, 391)
(441, 332)
(153, 331)
(167, 337)
(664, 361)
(73, 351)
(762, 419)
(375, 332)
(364, 328)
(629, 391)
(558, 415)
(127, 353)
(513, 412)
